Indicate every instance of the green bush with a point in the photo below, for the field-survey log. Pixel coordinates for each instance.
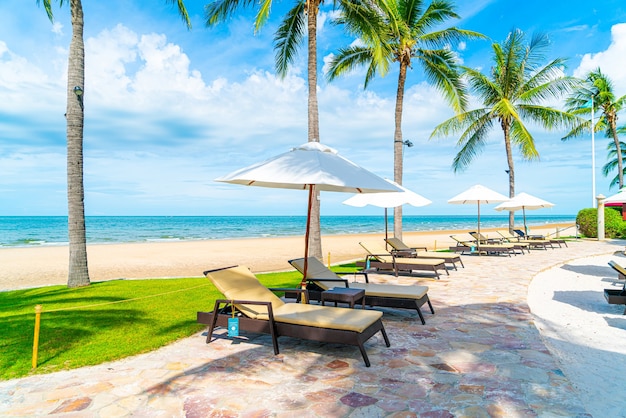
(614, 226)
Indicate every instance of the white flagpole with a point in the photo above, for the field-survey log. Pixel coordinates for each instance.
(593, 158)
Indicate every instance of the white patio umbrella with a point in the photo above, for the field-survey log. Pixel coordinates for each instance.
(309, 167)
(524, 201)
(476, 195)
(388, 200)
(617, 199)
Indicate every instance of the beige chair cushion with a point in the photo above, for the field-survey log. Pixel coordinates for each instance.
(391, 291)
(357, 320)
(382, 255)
(239, 283)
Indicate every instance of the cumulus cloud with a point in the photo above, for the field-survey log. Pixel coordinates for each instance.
(57, 28)
(612, 61)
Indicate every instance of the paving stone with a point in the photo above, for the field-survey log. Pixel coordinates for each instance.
(480, 355)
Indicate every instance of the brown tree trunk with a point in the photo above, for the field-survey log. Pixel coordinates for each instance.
(398, 147)
(78, 270)
(620, 163)
(315, 238)
(509, 158)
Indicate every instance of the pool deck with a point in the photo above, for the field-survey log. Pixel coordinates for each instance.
(479, 355)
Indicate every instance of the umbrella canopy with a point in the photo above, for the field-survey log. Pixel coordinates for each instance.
(476, 195)
(523, 201)
(310, 166)
(388, 200)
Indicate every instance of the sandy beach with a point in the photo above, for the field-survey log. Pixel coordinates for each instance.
(41, 266)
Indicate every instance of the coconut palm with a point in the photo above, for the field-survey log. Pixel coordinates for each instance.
(599, 89)
(78, 270)
(612, 162)
(407, 32)
(513, 94)
(301, 20)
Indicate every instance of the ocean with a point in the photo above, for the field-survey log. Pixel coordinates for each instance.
(32, 231)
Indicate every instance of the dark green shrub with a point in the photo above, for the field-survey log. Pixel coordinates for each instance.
(614, 226)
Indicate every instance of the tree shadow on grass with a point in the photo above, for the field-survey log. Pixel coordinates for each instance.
(60, 332)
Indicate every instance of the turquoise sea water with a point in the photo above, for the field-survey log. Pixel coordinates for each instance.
(28, 231)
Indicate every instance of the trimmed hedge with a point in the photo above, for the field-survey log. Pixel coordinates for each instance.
(614, 226)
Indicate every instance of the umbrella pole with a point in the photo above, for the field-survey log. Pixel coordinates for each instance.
(306, 240)
(386, 230)
(525, 228)
(478, 239)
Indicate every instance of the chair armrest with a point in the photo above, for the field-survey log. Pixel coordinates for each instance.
(362, 273)
(232, 302)
(292, 289)
(344, 281)
(403, 253)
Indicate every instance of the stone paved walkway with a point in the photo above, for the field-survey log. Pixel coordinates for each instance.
(480, 355)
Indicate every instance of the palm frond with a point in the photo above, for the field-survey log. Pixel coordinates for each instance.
(441, 69)
(461, 122)
(220, 10)
(183, 11)
(472, 142)
(288, 36)
(441, 38)
(48, 8)
(434, 15)
(549, 118)
(347, 59)
(522, 138)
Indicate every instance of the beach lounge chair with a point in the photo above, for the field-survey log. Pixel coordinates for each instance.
(621, 271)
(259, 310)
(467, 244)
(379, 259)
(400, 249)
(531, 243)
(533, 237)
(320, 278)
(485, 239)
(617, 296)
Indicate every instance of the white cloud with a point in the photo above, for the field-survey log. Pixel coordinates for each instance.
(325, 16)
(612, 61)
(57, 28)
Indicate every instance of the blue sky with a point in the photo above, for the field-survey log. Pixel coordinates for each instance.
(168, 110)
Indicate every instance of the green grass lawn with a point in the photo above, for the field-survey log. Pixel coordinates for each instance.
(104, 321)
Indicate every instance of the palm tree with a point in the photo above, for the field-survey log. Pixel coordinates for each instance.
(599, 88)
(514, 92)
(300, 20)
(402, 31)
(78, 270)
(612, 162)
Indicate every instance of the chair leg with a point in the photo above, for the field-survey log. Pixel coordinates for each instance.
(209, 333)
(419, 312)
(364, 354)
(382, 330)
(430, 305)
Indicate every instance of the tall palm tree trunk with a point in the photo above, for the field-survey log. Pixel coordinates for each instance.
(398, 147)
(315, 237)
(620, 170)
(509, 158)
(78, 271)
